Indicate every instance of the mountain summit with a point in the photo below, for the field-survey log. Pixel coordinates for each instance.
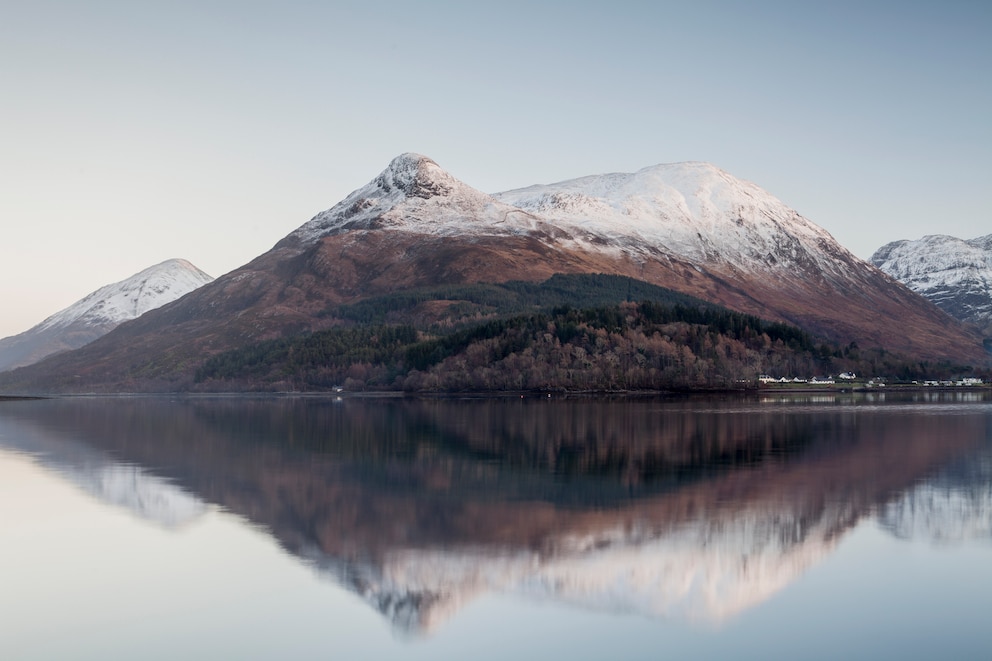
(101, 311)
(689, 227)
(414, 194)
(694, 211)
(953, 273)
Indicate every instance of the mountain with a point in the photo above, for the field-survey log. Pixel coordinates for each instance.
(953, 273)
(101, 311)
(729, 241)
(689, 227)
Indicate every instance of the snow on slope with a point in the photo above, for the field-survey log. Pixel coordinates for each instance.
(687, 210)
(953, 273)
(102, 311)
(414, 193)
(692, 210)
(687, 226)
(131, 298)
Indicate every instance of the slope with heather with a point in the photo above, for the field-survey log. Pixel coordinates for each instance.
(688, 227)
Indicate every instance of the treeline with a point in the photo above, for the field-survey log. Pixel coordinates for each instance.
(468, 304)
(319, 360)
(629, 346)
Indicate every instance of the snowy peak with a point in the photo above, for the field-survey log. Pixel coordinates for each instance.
(101, 311)
(413, 194)
(416, 176)
(935, 259)
(953, 273)
(132, 297)
(982, 243)
(691, 210)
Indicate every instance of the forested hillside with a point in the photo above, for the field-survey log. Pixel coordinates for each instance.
(524, 337)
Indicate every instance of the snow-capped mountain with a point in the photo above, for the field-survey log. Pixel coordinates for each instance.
(689, 227)
(415, 194)
(692, 211)
(101, 311)
(688, 211)
(953, 273)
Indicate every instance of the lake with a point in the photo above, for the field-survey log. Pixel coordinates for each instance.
(814, 526)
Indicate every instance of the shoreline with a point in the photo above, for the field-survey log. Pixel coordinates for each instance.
(783, 389)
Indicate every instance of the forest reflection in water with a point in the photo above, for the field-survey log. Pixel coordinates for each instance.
(691, 508)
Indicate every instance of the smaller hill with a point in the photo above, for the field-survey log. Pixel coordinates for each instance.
(102, 311)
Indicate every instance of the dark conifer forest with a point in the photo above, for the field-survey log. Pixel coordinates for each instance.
(568, 334)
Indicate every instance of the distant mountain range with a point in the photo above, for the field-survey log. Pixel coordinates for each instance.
(953, 273)
(689, 227)
(102, 311)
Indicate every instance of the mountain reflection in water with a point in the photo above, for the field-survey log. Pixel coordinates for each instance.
(672, 508)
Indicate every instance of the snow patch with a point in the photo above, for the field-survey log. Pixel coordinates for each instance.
(953, 273)
(102, 311)
(132, 297)
(690, 211)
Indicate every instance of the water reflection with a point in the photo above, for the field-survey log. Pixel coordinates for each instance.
(953, 506)
(109, 479)
(689, 508)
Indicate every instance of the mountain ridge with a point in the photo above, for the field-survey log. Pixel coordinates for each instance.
(415, 225)
(955, 274)
(401, 196)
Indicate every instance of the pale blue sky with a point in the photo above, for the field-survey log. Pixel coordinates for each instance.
(133, 132)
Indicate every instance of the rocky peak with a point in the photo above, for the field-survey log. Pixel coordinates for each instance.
(413, 194)
(416, 176)
(953, 273)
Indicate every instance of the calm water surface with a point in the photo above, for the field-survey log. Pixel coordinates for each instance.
(816, 527)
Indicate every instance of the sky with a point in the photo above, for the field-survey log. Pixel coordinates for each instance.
(132, 131)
